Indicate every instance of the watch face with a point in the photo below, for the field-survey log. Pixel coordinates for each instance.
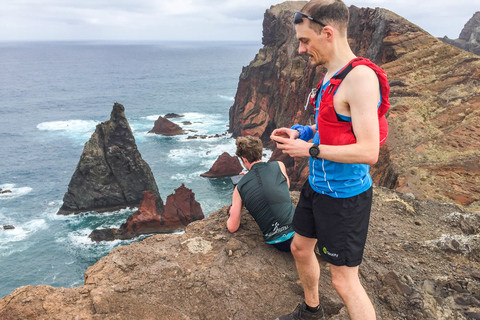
(314, 151)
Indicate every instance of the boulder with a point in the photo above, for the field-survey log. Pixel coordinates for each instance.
(8, 227)
(224, 166)
(111, 173)
(166, 127)
(5, 191)
(180, 210)
(173, 115)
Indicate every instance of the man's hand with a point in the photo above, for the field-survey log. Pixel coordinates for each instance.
(292, 147)
(285, 133)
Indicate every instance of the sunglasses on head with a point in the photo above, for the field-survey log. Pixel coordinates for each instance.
(298, 18)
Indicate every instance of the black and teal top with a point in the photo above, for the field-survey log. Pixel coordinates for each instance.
(265, 194)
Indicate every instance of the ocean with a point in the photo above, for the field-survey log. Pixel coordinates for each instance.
(52, 96)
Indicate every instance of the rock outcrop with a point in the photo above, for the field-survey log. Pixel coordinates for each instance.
(152, 217)
(111, 173)
(5, 191)
(421, 262)
(434, 142)
(469, 38)
(181, 208)
(173, 115)
(166, 127)
(224, 166)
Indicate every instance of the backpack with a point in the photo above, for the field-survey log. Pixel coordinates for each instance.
(340, 132)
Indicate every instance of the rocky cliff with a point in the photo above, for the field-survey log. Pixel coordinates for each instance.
(434, 144)
(422, 261)
(469, 38)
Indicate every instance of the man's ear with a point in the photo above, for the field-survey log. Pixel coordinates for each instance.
(329, 32)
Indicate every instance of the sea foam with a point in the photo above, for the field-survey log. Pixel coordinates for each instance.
(203, 155)
(12, 240)
(15, 192)
(226, 97)
(200, 124)
(74, 126)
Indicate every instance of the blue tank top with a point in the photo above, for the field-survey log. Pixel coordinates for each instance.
(335, 179)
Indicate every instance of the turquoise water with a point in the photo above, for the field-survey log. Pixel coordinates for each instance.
(52, 97)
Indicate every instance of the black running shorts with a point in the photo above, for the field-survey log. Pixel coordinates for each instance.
(339, 224)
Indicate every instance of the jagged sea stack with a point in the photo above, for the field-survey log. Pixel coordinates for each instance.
(111, 173)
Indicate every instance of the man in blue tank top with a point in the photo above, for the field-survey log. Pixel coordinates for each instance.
(264, 191)
(334, 207)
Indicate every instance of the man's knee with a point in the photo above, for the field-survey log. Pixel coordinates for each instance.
(339, 284)
(297, 249)
(344, 278)
(302, 247)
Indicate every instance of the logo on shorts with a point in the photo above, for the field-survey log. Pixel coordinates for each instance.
(277, 229)
(325, 251)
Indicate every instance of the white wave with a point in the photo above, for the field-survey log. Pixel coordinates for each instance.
(13, 235)
(187, 178)
(204, 154)
(226, 97)
(73, 126)
(266, 154)
(199, 124)
(21, 232)
(52, 208)
(35, 225)
(152, 118)
(79, 238)
(15, 192)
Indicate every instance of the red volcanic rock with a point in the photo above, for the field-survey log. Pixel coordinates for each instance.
(145, 220)
(180, 209)
(166, 127)
(225, 166)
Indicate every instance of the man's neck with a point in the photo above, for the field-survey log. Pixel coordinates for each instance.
(341, 56)
(250, 165)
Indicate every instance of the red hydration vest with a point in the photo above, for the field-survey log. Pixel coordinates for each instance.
(335, 131)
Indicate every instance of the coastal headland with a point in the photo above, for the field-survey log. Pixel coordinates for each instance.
(422, 258)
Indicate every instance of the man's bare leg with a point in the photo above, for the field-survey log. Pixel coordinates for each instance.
(346, 282)
(307, 267)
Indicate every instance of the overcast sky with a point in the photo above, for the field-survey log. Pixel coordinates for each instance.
(191, 19)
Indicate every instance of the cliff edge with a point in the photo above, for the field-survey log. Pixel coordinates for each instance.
(421, 262)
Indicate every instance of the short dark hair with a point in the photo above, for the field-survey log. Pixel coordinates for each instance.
(333, 12)
(250, 148)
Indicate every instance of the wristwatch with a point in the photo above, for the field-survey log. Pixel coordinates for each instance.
(314, 151)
